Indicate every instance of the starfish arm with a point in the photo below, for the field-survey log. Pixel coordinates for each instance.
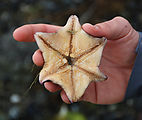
(58, 41)
(53, 60)
(63, 78)
(91, 61)
(61, 40)
(81, 80)
(82, 43)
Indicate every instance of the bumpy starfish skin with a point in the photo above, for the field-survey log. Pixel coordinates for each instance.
(71, 58)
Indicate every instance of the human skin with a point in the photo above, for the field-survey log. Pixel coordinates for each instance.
(117, 59)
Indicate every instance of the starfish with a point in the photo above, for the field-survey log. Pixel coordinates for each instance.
(71, 58)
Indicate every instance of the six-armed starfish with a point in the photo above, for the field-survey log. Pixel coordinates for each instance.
(71, 58)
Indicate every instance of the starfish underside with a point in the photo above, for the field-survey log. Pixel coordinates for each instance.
(71, 58)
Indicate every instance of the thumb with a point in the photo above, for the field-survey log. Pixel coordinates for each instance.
(113, 29)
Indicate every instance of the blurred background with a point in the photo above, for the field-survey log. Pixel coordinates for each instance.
(17, 71)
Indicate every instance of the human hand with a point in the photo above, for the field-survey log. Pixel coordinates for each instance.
(117, 61)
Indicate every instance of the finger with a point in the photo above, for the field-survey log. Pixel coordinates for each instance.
(51, 86)
(26, 32)
(64, 97)
(90, 93)
(38, 58)
(114, 29)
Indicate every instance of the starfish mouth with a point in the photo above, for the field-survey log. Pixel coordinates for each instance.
(70, 60)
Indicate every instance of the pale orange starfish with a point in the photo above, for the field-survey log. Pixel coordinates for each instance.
(71, 58)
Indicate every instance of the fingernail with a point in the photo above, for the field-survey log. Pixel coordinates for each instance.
(96, 27)
(46, 81)
(71, 101)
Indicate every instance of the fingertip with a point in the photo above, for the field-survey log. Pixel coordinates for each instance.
(93, 30)
(15, 34)
(64, 97)
(86, 25)
(38, 58)
(51, 86)
(22, 34)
